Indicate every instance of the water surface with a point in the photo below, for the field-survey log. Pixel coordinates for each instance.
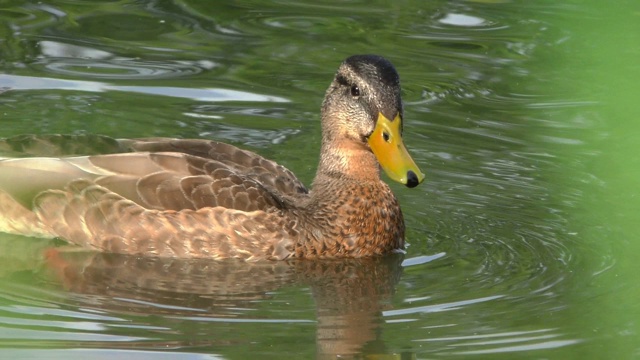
(521, 238)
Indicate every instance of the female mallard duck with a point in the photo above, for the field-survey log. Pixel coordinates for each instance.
(205, 199)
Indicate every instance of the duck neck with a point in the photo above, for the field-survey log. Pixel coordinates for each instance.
(346, 160)
(350, 209)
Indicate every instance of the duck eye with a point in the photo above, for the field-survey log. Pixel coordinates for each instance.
(355, 90)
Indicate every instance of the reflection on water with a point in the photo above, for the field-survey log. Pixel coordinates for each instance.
(73, 60)
(462, 20)
(218, 95)
(125, 301)
(128, 302)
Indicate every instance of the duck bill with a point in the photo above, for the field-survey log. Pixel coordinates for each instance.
(388, 147)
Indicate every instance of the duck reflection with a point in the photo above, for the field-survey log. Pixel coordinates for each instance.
(349, 294)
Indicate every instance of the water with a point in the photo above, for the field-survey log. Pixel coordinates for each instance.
(521, 238)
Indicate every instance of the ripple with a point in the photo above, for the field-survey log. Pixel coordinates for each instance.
(208, 94)
(86, 61)
(298, 23)
(419, 260)
(250, 137)
(13, 15)
(48, 320)
(462, 20)
(122, 68)
(529, 340)
(526, 347)
(440, 307)
(58, 49)
(133, 354)
(135, 26)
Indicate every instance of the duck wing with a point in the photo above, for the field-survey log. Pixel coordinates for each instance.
(92, 216)
(150, 196)
(238, 161)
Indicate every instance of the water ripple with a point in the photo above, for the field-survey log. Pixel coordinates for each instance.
(211, 94)
(530, 340)
(121, 68)
(88, 62)
(455, 305)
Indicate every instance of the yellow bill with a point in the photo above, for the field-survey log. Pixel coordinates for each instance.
(388, 147)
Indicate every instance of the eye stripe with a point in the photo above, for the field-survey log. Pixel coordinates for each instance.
(342, 80)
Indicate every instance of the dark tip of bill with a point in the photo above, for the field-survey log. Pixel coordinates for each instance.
(412, 179)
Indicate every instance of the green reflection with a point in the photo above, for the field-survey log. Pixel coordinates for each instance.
(608, 218)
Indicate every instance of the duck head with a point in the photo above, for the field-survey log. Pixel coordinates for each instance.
(365, 106)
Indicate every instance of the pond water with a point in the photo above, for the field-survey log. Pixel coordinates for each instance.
(522, 238)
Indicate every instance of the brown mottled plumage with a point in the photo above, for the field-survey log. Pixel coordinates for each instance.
(205, 199)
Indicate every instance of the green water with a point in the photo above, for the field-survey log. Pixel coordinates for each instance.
(522, 238)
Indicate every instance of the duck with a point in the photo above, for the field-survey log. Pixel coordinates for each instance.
(200, 198)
